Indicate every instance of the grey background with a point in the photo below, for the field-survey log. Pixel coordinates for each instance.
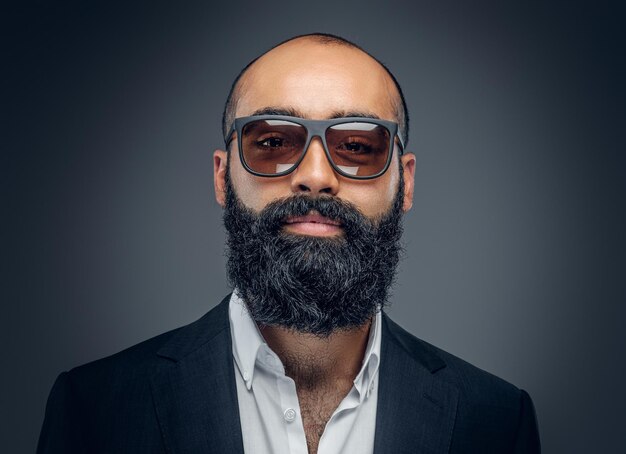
(514, 248)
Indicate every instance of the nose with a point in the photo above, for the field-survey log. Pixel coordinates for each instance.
(315, 174)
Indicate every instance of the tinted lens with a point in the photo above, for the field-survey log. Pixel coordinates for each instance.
(272, 146)
(359, 149)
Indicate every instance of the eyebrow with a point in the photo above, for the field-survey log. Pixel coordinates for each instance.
(354, 113)
(291, 112)
(286, 111)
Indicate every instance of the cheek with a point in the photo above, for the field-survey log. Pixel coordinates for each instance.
(256, 192)
(373, 198)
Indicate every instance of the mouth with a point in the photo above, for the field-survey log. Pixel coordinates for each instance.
(313, 224)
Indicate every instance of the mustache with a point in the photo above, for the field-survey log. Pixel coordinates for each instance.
(272, 217)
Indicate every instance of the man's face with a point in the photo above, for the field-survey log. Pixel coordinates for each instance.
(317, 82)
(290, 270)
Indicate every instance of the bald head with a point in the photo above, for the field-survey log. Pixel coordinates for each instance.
(335, 64)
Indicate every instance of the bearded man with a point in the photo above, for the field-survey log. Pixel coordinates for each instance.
(301, 357)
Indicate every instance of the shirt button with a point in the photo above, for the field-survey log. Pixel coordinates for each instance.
(290, 415)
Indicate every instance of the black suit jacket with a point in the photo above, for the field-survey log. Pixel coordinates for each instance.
(176, 393)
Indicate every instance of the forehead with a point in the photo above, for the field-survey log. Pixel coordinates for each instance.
(317, 80)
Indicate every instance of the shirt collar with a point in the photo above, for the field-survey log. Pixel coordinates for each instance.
(247, 340)
(364, 381)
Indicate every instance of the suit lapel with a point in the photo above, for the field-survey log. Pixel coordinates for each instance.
(416, 410)
(194, 388)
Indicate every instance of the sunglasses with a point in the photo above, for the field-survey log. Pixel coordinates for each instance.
(274, 145)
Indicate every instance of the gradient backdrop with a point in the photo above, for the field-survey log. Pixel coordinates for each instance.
(515, 251)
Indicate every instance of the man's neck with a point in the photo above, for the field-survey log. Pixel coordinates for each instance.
(314, 361)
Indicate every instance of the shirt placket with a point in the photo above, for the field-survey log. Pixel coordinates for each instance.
(292, 417)
(289, 404)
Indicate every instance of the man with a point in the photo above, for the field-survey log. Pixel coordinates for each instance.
(301, 357)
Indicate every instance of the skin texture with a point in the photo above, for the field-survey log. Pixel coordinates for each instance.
(318, 81)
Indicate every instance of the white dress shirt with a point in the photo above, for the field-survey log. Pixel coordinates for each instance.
(268, 403)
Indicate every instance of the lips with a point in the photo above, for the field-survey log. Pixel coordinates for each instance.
(314, 218)
(313, 224)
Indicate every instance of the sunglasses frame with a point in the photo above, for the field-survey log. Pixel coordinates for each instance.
(315, 128)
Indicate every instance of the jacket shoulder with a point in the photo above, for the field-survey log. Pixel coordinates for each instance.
(492, 415)
(137, 360)
(107, 405)
(473, 383)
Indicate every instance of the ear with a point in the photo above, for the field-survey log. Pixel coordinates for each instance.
(408, 169)
(220, 161)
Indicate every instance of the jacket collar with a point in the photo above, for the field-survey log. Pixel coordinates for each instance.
(416, 409)
(193, 387)
(195, 394)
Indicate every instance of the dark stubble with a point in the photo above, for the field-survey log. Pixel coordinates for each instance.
(316, 285)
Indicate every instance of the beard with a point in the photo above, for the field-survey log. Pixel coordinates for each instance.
(309, 284)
